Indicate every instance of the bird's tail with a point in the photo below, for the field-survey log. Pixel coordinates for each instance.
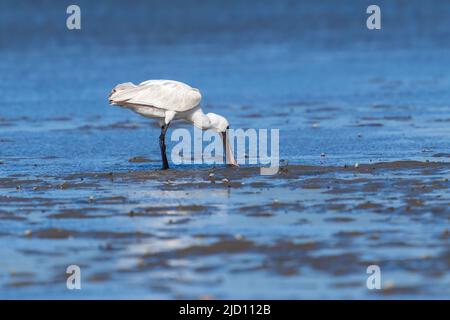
(119, 88)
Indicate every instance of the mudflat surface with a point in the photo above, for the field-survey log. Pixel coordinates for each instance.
(191, 234)
(364, 132)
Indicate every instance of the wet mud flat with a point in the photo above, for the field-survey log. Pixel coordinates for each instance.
(308, 232)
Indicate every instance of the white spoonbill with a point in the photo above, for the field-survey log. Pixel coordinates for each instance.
(168, 100)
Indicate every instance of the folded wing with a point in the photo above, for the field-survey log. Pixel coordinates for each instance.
(163, 94)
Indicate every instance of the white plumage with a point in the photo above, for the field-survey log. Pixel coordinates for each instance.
(162, 94)
(168, 100)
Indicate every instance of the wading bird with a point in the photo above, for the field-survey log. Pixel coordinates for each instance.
(168, 100)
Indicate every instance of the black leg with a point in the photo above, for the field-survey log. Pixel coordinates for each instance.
(162, 145)
(224, 143)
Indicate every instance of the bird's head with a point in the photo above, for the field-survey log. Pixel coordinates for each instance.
(220, 124)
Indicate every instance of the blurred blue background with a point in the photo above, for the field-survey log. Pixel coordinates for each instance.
(294, 65)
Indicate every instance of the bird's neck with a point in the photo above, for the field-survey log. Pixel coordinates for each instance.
(199, 119)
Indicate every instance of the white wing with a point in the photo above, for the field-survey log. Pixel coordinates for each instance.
(163, 94)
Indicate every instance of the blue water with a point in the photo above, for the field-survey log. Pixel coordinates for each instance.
(311, 69)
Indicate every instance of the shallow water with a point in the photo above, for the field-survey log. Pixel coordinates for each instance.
(79, 182)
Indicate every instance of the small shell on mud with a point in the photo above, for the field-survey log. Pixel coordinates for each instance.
(389, 285)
